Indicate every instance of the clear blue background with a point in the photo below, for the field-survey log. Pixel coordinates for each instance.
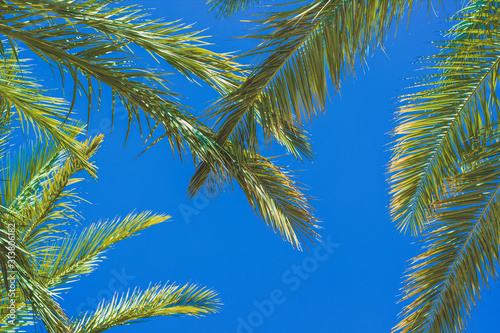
(222, 244)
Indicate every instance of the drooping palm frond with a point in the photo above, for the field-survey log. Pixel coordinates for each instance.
(21, 95)
(226, 8)
(462, 250)
(272, 193)
(270, 190)
(169, 300)
(302, 46)
(75, 255)
(460, 227)
(435, 123)
(113, 26)
(93, 40)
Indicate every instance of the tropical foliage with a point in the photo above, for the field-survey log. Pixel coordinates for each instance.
(92, 43)
(444, 172)
(445, 177)
(42, 252)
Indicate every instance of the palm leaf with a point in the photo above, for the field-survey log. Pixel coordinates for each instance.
(47, 115)
(75, 255)
(169, 300)
(269, 189)
(462, 250)
(57, 32)
(227, 8)
(301, 47)
(435, 123)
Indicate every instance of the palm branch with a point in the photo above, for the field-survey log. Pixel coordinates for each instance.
(435, 122)
(447, 162)
(301, 47)
(167, 300)
(38, 202)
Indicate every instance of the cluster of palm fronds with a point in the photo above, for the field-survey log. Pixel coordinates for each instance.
(444, 173)
(37, 208)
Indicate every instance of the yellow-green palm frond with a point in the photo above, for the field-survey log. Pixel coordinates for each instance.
(270, 190)
(78, 254)
(435, 123)
(462, 247)
(28, 283)
(93, 40)
(30, 224)
(135, 306)
(20, 95)
(226, 8)
(301, 47)
(26, 171)
(114, 27)
(54, 206)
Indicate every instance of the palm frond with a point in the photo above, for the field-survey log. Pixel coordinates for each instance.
(47, 115)
(124, 25)
(25, 172)
(435, 123)
(226, 8)
(92, 41)
(75, 255)
(53, 206)
(301, 47)
(269, 189)
(462, 249)
(169, 300)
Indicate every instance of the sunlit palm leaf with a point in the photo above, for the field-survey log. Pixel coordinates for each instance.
(462, 243)
(79, 254)
(92, 41)
(22, 96)
(269, 189)
(462, 251)
(169, 300)
(226, 8)
(301, 47)
(435, 123)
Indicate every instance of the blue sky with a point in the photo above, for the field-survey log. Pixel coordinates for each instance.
(348, 284)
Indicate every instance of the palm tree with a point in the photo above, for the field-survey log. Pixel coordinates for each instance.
(91, 42)
(444, 171)
(44, 254)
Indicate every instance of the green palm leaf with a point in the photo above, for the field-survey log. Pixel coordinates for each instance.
(301, 47)
(460, 130)
(435, 123)
(75, 255)
(227, 8)
(45, 115)
(270, 190)
(462, 250)
(169, 300)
